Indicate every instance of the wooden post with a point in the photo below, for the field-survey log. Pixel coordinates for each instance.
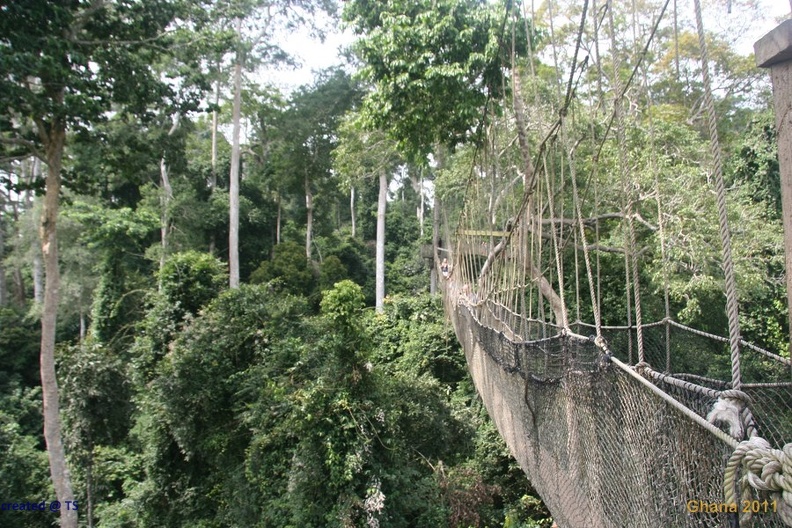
(774, 51)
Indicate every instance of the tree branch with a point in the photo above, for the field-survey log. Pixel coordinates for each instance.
(30, 146)
(589, 222)
(83, 16)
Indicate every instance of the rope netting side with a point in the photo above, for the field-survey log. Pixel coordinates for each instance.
(510, 273)
(602, 445)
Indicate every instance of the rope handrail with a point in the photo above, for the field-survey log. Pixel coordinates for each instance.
(622, 327)
(682, 384)
(672, 379)
(659, 322)
(722, 339)
(702, 333)
(562, 332)
(726, 385)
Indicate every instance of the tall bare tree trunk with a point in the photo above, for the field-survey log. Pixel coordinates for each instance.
(379, 278)
(422, 206)
(309, 217)
(55, 139)
(19, 286)
(213, 180)
(18, 280)
(278, 222)
(435, 244)
(32, 171)
(233, 187)
(38, 276)
(352, 210)
(3, 281)
(433, 278)
(215, 118)
(166, 196)
(89, 484)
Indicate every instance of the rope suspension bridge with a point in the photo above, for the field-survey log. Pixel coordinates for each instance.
(620, 413)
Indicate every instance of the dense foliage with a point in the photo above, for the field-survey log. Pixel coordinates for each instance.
(259, 413)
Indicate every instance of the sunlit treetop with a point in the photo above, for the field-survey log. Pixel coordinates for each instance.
(434, 65)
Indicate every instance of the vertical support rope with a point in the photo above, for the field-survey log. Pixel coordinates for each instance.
(660, 228)
(538, 254)
(577, 275)
(629, 257)
(636, 283)
(595, 300)
(664, 257)
(628, 285)
(732, 307)
(564, 322)
(587, 258)
(562, 131)
(581, 232)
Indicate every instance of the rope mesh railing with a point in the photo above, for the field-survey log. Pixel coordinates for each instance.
(599, 448)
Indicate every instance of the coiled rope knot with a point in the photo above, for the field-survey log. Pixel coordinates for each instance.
(642, 365)
(600, 342)
(730, 409)
(606, 354)
(765, 470)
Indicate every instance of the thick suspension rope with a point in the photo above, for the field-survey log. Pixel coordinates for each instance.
(732, 307)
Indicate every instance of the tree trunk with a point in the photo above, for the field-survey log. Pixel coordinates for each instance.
(38, 276)
(32, 171)
(422, 206)
(382, 203)
(18, 280)
(547, 291)
(213, 179)
(352, 210)
(89, 484)
(3, 282)
(166, 196)
(278, 223)
(435, 244)
(309, 218)
(61, 480)
(233, 187)
(440, 157)
(19, 286)
(215, 117)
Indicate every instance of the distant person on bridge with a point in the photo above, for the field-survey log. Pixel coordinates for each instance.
(468, 296)
(445, 268)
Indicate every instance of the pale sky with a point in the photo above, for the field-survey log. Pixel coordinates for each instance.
(312, 54)
(774, 12)
(315, 55)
